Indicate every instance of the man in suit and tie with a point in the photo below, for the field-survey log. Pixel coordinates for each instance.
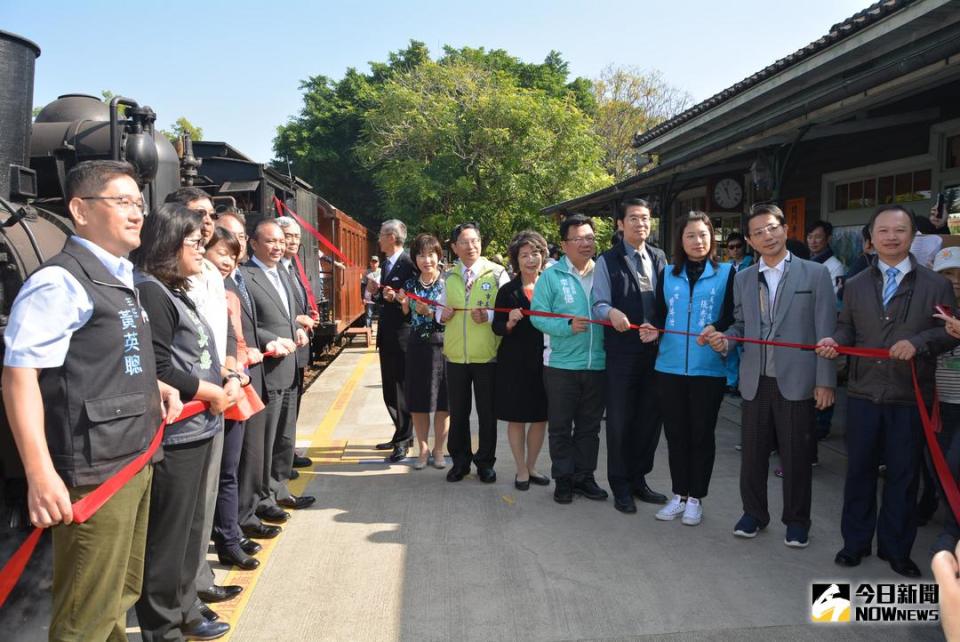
(392, 335)
(273, 302)
(306, 318)
(780, 298)
(624, 292)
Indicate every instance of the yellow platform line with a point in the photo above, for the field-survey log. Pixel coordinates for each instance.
(231, 611)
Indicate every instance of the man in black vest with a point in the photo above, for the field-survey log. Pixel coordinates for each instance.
(76, 426)
(624, 288)
(398, 268)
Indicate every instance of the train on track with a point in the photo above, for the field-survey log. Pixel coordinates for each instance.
(37, 152)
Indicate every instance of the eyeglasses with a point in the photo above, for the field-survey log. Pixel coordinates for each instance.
(204, 212)
(766, 229)
(735, 246)
(121, 202)
(582, 240)
(196, 243)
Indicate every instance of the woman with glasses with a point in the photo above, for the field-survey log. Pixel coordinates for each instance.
(694, 297)
(171, 251)
(520, 397)
(425, 373)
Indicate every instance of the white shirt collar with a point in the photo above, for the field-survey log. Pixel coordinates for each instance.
(262, 266)
(286, 262)
(778, 267)
(118, 266)
(392, 259)
(904, 266)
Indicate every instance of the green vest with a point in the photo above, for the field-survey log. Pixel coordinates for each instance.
(465, 340)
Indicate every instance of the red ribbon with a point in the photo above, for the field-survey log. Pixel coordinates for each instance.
(281, 208)
(931, 422)
(306, 286)
(85, 507)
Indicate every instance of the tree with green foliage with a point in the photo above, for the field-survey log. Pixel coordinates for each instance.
(452, 141)
(183, 127)
(322, 142)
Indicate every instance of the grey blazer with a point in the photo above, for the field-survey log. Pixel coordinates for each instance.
(274, 320)
(806, 312)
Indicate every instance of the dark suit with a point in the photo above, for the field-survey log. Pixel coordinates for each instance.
(391, 342)
(633, 415)
(277, 423)
(301, 306)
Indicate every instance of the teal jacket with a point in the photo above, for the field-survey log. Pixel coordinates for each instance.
(559, 290)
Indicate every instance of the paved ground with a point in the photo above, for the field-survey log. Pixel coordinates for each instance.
(390, 553)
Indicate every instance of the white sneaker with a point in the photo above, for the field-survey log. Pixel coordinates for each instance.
(693, 513)
(673, 508)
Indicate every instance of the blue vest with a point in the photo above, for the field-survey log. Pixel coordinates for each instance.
(688, 312)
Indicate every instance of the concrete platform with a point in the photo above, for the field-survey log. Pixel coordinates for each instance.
(392, 553)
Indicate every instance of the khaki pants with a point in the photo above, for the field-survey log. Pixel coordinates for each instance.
(98, 565)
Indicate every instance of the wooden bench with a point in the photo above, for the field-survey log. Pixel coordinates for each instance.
(354, 332)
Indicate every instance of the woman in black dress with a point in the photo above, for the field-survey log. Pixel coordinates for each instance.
(520, 398)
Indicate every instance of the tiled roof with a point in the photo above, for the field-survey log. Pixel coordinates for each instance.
(838, 32)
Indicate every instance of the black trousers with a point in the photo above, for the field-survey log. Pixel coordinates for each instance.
(226, 526)
(392, 376)
(464, 381)
(949, 438)
(767, 416)
(174, 541)
(282, 410)
(574, 412)
(250, 481)
(689, 406)
(633, 419)
(894, 432)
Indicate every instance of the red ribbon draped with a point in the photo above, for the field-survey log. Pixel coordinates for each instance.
(281, 208)
(85, 507)
(931, 422)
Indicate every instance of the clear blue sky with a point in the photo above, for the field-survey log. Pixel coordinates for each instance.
(234, 68)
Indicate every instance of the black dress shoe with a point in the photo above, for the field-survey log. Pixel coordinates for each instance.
(399, 454)
(540, 480)
(645, 494)
(487, 475)
(261, 531)
(249, 546)
(294, 474)
(216, 593)
(846, 557)
(563, 491)
(297, 503)
(273, 514)
(302, 462)
(234, 556)
(208, 614)
(387, 445)
(521, 485)
(205, 630)
(457, 473)
(589, 489)
(625, 504)
(904, 567)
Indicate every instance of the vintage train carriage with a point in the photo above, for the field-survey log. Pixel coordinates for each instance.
(343, 284)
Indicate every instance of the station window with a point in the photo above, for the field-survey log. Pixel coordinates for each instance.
(953, 152)
(882, 190)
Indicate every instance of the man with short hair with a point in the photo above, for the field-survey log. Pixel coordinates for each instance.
(77, 425)
(392, 333)
(890, 305)
(369, 287)
(274, 305)
(573, 362)
(819, 234)
(787, 299)
(624, 293)
(470, 347)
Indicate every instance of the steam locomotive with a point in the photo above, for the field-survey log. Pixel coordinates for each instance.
(36, 154)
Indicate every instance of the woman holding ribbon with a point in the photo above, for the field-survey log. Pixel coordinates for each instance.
(520, 397)
(694, 298)
(425, 374)
(170, 252)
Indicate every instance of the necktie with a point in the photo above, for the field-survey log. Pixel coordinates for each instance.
(281, 291)
(891, 286)
(468, 277)
(242, 287)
